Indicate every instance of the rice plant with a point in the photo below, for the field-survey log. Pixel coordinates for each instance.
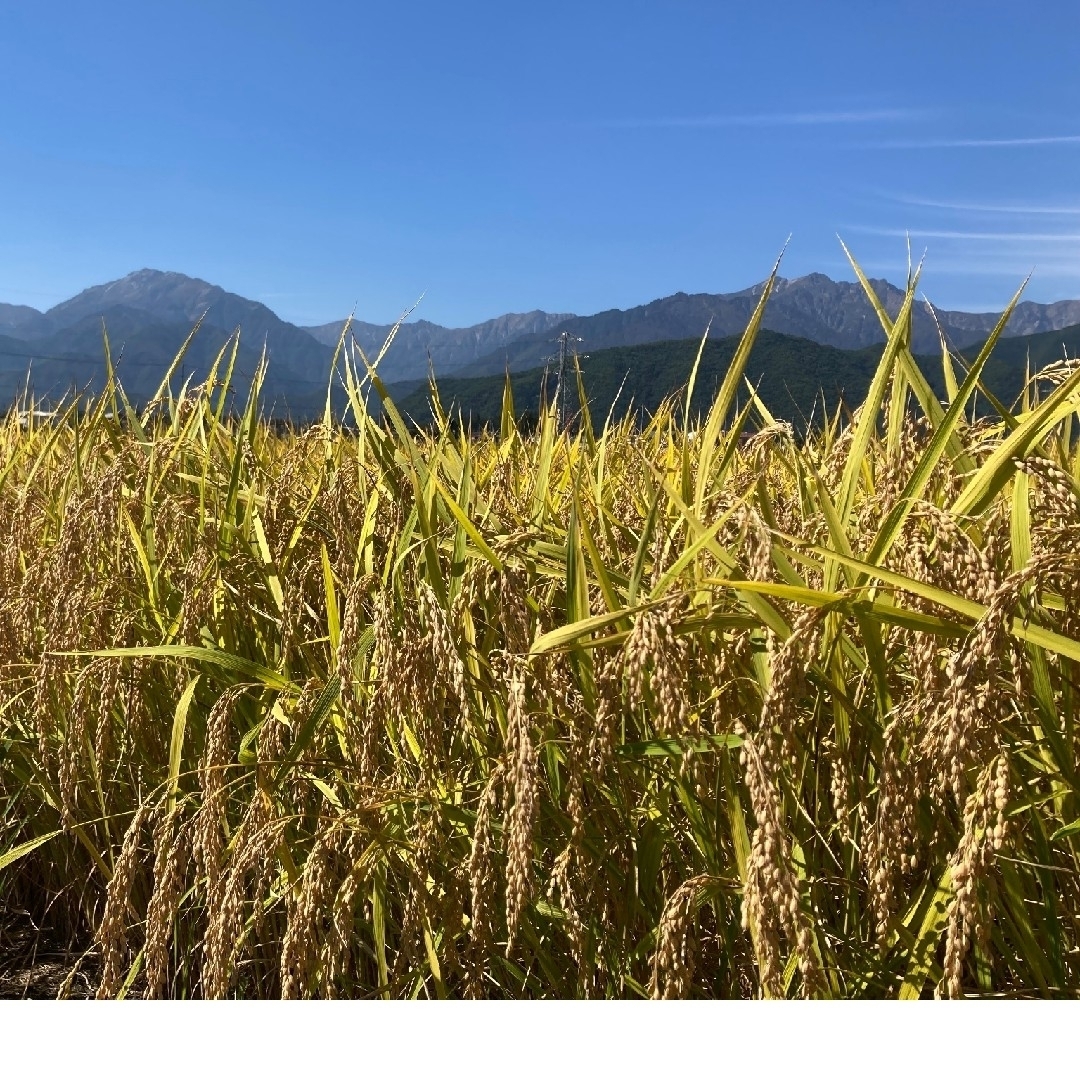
(694, 709)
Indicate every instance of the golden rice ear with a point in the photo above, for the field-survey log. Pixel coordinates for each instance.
(522, 793)
(171, 852)
(112, 932)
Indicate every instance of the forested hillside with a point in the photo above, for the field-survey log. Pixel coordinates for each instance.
(793, 377)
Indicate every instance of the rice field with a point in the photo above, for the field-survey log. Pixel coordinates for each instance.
(698, 709)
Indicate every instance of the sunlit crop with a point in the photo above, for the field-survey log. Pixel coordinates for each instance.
(696, 709)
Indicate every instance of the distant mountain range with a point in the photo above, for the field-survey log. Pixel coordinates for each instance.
(449, 349)
(794, 377)
(814, 307)
(149, 313)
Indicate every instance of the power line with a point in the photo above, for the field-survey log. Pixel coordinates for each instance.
(122, 361)
(74, 357)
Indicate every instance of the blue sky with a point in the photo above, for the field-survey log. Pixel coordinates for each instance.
(566, 156)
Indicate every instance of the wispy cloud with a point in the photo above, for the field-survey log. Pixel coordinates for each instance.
(988, 253)
(960, 234)
(946, 144)
(1010, 272)
(1016, 271)
(1018, 209)
(763, 120)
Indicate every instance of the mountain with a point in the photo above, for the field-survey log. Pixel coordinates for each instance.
(18, 318)
(1015, 353)
(792, 376)
(148, 315)
(171, 298)
(837, 313)
(73, 358)
(449, 349)
(814, 307)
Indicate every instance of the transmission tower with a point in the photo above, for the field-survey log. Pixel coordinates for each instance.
(567, 343)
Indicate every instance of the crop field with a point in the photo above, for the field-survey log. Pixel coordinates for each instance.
(699, 708)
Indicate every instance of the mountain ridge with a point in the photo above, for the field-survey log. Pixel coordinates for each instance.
(797, 379)
(814, 307)
(454, 346)
(149, 313)
(173, 298)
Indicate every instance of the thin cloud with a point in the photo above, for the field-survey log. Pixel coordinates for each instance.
(1015, 270)
(955, 234)
(989, 254)
(1020, 209)
(950, 277)
(1010, 273)
(802, 119)
(947, 144)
